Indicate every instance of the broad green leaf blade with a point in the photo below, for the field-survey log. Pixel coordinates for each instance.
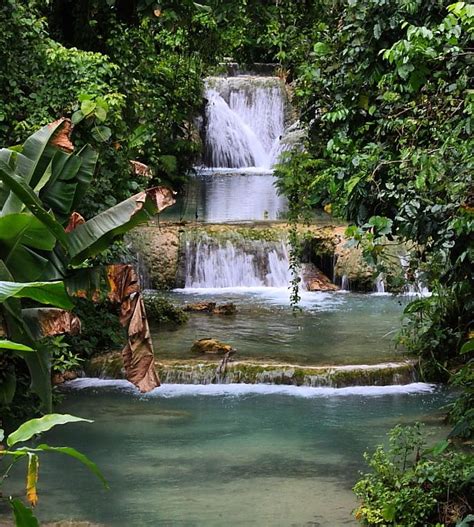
(38, 363)
(61, 189)
(53, 293)
(15, 346)
(22, 237)
(84, 177)
(24, 516)
(27, 196)
(39, 152)
(42, 424)
(31, 230)
(467, 347)
(72, 452)
(96, 234)
(7, 389)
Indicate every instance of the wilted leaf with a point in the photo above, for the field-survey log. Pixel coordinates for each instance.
(32, 479)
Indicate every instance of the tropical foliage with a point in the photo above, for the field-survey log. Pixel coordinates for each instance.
(413, 485)
(14, 454)
(40, 248)
(388, 106)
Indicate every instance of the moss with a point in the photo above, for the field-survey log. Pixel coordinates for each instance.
(109, 365)
(161, 311)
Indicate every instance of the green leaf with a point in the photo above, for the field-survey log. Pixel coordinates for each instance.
(77, 117)
(101, 133)
(72, 452)
(467, 347)
(42, 424)
(439, 448)
(7, 389)
(24, 516)
(96, 234)
(388, 512)
(87, 107)
(31, 200)
(9, 345)
(100, 113)
(52, 293)
(85, 174)
(466, 522)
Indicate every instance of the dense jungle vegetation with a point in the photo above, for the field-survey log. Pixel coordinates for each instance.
(384, 90)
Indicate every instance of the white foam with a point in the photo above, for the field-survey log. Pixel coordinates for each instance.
(225, 171)
(237, 390)
(278, 296)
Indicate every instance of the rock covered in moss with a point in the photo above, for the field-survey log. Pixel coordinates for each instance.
(211, 307)
(160, 310)
(211, 347)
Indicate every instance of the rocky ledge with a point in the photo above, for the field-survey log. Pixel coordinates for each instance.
(195, 371)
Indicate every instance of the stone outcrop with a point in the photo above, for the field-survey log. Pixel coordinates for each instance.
(211, 347)
(199, 371)
(158, 246)
(315, 280)
(211, 307)
(161, 249)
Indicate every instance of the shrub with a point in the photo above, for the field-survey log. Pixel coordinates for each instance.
(162, 311)
(411, 486)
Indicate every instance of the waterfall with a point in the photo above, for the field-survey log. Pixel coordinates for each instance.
(379, 285)
(415, 286)
(235, 262)
(244, 121)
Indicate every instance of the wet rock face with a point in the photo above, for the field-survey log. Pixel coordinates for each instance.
(158, 246)
(211, 307)
(316, 280)
(211, 347)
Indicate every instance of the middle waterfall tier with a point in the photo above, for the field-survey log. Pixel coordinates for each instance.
(235, 262)
(244, 121)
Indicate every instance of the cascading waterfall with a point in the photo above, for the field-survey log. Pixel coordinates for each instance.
(244, 121)
(235, 262)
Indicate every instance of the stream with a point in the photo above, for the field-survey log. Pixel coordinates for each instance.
(208, 455)
(222, 455)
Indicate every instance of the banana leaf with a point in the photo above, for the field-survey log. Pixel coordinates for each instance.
(52, 293)
(28, 197)
(31, 163)
(24, 243)
(96, 234)
(39, 363)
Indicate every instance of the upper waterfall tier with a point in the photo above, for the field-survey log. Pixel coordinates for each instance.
(244, 121)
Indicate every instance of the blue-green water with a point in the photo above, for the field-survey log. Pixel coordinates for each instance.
(331, 328)
(222, 455)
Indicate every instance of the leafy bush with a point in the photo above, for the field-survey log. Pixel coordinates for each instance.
(411, 486)
(162, 311)
(100, 328)
(62, 358)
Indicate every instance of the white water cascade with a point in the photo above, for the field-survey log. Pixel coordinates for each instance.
(217, 263)
(244, 121)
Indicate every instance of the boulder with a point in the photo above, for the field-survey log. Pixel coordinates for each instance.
(211, 307)
(316, 280)
(225, 309)
(211, 347)
(200, 307)
(60, 378)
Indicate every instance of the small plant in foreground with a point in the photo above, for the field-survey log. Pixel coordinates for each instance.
(12, 454)
(411, 485)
